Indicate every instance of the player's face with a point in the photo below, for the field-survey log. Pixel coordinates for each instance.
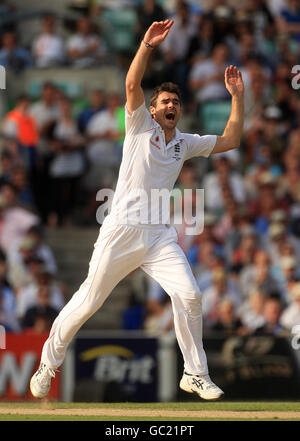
(167, 110)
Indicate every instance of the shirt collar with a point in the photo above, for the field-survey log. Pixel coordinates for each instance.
(176, 139)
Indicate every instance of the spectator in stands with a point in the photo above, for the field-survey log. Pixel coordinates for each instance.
(85, 48)
(278, 238)
(219, 291)
(220, 179)
(265, 202)
(272, 312)
(289, 20)
(228, 322)
(20, 271)
(8, 317)
(21, 126)
(41, 324)
(20, 182)
(159, 319)
(204, 272)
(258, 275)
(227, 229)
(48, 46)
(14, 219)
(262, 165)
(66, 167)
(148, 12)
(245, 252)
(46, 110)
(203, 42)
(27, 295)
(251, 310)
(290, 316)
(287, 277)
(176, 47)
(248, 47)
(6, 166)
(223, 16)
(103, 134)
(42, 249)
(97, 104)
(46, 113)
(289, 181)
(202, 248)
(206, 79)
(13, 56)
(42, 307)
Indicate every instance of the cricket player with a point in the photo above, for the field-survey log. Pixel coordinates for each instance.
(153, 154)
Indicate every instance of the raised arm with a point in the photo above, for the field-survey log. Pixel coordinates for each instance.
(154, 36)
(232, 134)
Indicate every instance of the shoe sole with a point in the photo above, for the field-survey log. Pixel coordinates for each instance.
(189, 391)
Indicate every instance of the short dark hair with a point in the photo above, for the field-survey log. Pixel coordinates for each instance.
(23, 97)
(164, 87)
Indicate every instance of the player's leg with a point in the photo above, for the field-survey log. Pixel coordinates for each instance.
(118, 251)
(168, 265)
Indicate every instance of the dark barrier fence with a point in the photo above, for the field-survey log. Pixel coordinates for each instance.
(251, 368)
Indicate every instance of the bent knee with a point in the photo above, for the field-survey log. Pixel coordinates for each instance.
(191, 306)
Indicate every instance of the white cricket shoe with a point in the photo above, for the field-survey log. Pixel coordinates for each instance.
(201, 385)
(41, 381)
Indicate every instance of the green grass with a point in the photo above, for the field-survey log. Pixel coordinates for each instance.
(221, 405)
(183, 406)
(108, 419)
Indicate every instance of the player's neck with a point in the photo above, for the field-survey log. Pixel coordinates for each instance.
(169, 134)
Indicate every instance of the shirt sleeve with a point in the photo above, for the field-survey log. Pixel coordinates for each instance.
(138, 121)
(199, 145)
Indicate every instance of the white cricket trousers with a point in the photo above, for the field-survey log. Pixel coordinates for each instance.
(119, 250)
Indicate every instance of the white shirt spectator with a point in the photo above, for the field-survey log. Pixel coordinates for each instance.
(211, 299)
(102, 150)
(15, 223)
(44, 114)
(179, 39)
(27, 298)
(48, 50)
(213, 91)
(83, 43)
(213, 194)
(250, 317)
(67, 164)
(291, 315)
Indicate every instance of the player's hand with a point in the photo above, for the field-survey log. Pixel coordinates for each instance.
(234, 81)
(157, 32)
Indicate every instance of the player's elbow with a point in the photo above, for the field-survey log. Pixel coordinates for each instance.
(225, 143)
(235, 145)
(131, 85)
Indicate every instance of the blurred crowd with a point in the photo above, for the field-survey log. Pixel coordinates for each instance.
(55, 156)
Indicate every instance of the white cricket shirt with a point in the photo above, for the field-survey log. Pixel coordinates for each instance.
(150, 166)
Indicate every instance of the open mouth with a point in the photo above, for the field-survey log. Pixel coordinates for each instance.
(170, 116)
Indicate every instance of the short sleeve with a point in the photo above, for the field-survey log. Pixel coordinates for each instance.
(138, 121)
(199, 145)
